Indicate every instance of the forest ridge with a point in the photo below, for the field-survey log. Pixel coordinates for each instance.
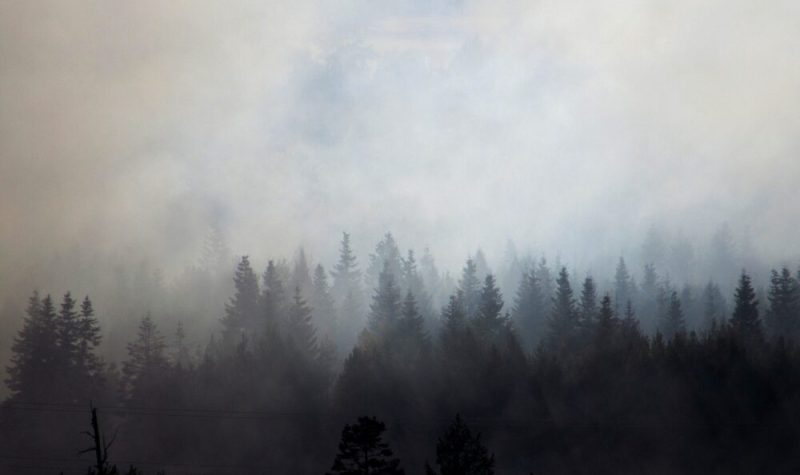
(424, 375)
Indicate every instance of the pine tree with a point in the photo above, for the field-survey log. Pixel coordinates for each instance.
(458, 452)
(300, 331)
(180, 355)
(546, 284)
(623, 283)
(362, 451)
(563, 322)
(242, 310)
(607, 321)
(489, 322)
(273, 299)
(629, 324)
(34, 353)
(413, 282)
(713, 306)
(385, 308)
(322, 303)
(454, 319)
(89, 364)
(672, 322)
(745, 320)
(387, 253)
(409, 339)
(147, 361)
(783, 315)
(469, 285)
(301, 275)
(347, 292)
(588, 306)
(529, 314)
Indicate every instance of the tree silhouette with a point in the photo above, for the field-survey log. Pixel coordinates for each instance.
(458, 452)
(362, 451)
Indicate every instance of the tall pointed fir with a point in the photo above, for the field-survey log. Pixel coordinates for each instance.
(713, 306)
(387, 253)
(300, 331)
(409, 339)
(606, 322)
(88, 363)
(323, 305)
(563, 322)
(147, 360)
(273, 300)
(242, 310)
(623, 283)
(301, 274)
(529, 314)
(347, 292)
(672, 320)
(587, 311)
(413, 282)
(33, 364)
(470, 288)
(385, 308)
(745, 321)
(362, 451)
(783, 315)
(489, 323)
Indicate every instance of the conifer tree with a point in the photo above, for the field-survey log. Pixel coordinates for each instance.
(34, 353)
(147, 360)
(623, 283)
(713, 306)
(88, 363)
(745, 320)
(362, 451)
(672, 322)
(301, 274)
(469, 286)
(322, 303)
(242, 309)
(454, 319)
(607, 321)
(588, 305)
(300, 331)
(413, 282)
(387, 253)
(273, 299)
(180, 355)
(529, 313)
(409, 339)
(563, 322)
(489, 322)
(385, 308)
(458, 452)
(546, 284)
(783, 315)
(347, 291)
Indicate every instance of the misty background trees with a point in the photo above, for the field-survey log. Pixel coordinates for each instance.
(570, 371)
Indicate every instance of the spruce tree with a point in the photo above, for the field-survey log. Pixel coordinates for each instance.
(607, 321)
(387, 253)
(469, 285)
(489, 322)
(587, 310)
(713, 306)
(34, 356)
(300, 329)
(783, 315)
(322, 303)
(301, 274)
(385, 307)
(409, 339)
(413, 282)
(458, 452)
(362, 451)
(529, 315)
(147, 360)
(242, 309)
(273, 299)
(563, 321)
(623, 283)
(672, 322)
(745, 320)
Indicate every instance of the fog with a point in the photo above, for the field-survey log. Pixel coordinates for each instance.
(131, 132)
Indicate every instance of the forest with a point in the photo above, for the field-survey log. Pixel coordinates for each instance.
(395, 367)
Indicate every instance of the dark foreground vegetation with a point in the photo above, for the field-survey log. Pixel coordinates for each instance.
(560, 378)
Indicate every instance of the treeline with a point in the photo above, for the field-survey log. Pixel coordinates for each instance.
(565, 378)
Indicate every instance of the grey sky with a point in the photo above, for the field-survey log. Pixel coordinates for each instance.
(568, 126)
